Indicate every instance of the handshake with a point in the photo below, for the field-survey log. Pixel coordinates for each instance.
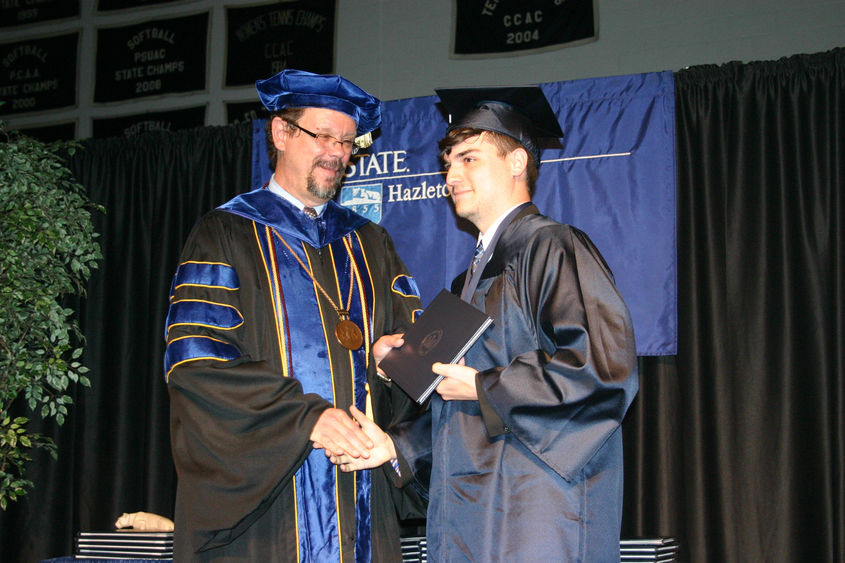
(356, 442)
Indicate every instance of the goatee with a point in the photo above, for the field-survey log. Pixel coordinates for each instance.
(328, 190)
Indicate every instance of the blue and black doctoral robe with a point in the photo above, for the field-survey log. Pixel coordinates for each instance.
(252, 362)
(532, 471)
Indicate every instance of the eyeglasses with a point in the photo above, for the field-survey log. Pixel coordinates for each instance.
(327, 142)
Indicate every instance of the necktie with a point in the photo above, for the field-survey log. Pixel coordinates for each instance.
(476, 258)
(310, 212)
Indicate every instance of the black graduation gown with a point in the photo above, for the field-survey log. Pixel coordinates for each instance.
(533, 470)
(250, 352)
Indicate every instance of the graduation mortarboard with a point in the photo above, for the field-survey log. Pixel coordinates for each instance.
(520, 112)
(302, 89)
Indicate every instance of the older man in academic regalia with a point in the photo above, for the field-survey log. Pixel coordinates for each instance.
(281, 307)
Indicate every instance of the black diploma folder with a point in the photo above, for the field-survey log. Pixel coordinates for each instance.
(442, 333)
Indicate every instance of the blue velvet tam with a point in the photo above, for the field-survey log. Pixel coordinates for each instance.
(302, 89)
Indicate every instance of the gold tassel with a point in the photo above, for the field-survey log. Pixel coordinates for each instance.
(364, 140)
(369, 411)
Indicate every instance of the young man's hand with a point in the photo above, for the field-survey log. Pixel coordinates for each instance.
(459, 382)
(382, 450)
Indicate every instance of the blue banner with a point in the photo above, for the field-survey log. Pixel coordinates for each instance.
(613, 177)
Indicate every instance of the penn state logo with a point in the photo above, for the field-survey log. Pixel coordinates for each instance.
(363, 199)
(431, 340)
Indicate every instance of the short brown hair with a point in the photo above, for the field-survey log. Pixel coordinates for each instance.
(504, 145)
(287, 115)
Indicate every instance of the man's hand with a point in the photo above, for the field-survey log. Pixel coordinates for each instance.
(144, 521)
(459, 382)
(383, 449)
(338, 434)
(384, 345)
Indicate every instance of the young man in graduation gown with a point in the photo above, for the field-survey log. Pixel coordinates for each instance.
(281, 307)
(521, 448)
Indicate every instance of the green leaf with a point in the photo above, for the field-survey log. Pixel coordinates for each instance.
(49, 248)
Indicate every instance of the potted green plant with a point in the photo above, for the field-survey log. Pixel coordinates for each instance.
(48, 249)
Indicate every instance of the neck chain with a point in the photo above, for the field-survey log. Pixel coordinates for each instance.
(346, 332)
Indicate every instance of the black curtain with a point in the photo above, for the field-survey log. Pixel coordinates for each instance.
(760, 152)
(735, 447)
(114, 448)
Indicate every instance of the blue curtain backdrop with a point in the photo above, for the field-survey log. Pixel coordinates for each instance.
(613, 177)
